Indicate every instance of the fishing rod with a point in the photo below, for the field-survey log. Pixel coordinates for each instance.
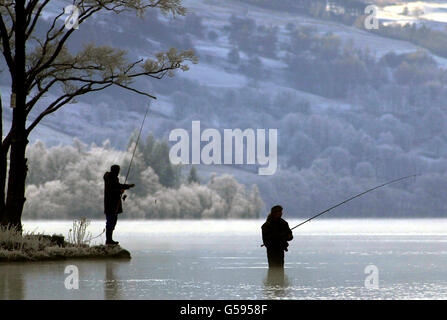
(356, 196)
(136, 144)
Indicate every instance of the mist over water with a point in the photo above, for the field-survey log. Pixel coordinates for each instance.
(354, 107)
(224, 260)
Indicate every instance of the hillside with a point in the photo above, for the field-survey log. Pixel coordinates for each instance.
(352, 108)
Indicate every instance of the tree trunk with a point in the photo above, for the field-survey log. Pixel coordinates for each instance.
(3, 167)
(15, 198)
(2, 170)
(2, 188)
(16, 183)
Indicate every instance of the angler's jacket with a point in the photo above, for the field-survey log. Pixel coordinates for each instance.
(276, 233)
(112, 193)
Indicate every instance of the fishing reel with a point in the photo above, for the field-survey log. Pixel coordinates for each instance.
(124, 197)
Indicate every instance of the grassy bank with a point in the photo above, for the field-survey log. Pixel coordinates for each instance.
(18, 246)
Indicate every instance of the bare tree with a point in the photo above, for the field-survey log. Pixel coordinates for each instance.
(40, 64)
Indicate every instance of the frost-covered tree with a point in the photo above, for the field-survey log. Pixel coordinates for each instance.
(76, 188)
(38, 62)
(155, 154)
(192, 177)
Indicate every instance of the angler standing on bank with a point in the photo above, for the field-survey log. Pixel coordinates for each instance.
(113, 190)
(275, 235)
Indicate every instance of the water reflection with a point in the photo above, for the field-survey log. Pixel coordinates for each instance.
(111, 281)
(322, 266)
(276, 283)
(12, 285)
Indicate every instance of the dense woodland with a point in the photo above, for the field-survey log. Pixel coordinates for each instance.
(66, 182)
(348, 119)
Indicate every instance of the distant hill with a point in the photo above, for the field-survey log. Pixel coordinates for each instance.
(352, 108)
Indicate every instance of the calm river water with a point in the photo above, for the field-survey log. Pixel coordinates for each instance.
(223, 260)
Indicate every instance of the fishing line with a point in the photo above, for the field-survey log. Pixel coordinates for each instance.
(353, 197)
(136, 144)
(356, 196)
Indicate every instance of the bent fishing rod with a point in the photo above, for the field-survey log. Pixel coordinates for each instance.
(356, 196)
(352, 198)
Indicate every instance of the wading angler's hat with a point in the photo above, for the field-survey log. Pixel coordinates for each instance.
(275, 209)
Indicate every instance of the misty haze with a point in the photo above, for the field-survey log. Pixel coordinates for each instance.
(354, 105)
(353, 108)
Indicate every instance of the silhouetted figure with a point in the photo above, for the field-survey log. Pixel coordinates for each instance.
(275, 234)
(112, 200)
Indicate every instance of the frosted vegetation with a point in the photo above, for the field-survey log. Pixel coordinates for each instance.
(66, 182)
(384, 118)
(16, 245)
(353, 109)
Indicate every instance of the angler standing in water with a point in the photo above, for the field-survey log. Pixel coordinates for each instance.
(275, 235)
(113, 190)
(276, 231)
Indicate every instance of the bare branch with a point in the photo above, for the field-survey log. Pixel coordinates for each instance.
(6, 46)
(40, 94)
(12, 17)
(94, 68)
(61, 101)
(37, 69)
(135, 90)
(29, 10)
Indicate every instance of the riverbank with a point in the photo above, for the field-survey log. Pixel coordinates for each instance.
(15, 247)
